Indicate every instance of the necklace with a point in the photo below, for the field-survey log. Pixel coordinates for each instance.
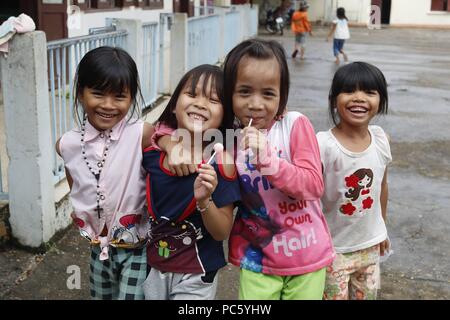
(100, 164)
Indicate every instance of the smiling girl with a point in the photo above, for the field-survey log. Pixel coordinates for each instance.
(190, 215)
(355, 156)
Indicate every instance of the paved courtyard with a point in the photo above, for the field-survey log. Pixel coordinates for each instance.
(416, 64)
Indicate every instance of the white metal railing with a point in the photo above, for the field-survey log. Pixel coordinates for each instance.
(63, 58)
(203, 44)
(232, 21)
(253, 26)
(150, 64)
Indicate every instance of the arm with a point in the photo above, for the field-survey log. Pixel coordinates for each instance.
(301, 179)
(384, 246)
(218, 221)
(148, 131)
(163, 139)
(333, 28)
(68, 176)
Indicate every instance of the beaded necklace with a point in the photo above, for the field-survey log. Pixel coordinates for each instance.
(100, 164)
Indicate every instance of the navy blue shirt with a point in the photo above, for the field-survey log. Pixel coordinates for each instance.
(178, 240)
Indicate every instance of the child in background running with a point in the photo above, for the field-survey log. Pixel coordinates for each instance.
(340, 32)
(300, 26)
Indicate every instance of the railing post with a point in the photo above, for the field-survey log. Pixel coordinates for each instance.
(133, 41)
(28, 140)
(178, 49)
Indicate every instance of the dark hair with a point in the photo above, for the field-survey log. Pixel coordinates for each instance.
(353, 192)
(340, 13)
(192, 78)
(357, 76)
(258, 49)
(109, 70)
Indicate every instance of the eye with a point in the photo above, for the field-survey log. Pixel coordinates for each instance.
(121, 97)
(372, 92)
(97, 94)
(244, 92)
(215, 100)
(269, 93)
(190, 94)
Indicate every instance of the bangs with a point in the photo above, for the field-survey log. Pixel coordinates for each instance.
(215, 86)
(358, 77)
(114, 80)
(110, 71)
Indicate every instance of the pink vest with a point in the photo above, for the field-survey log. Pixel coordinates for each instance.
(122, 184)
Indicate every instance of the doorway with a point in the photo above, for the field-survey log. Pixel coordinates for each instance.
(385, 6)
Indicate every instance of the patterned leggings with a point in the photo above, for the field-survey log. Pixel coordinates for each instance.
(354, 275)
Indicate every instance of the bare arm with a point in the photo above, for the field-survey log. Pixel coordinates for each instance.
(384, 196)
(218, 221)
(333, 28)
(68, 176)
(147, 133)
(181, 165)
(385, 245)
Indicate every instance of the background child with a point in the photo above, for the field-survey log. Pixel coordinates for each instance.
(280, 239)
(107, 184)
(341, 33)
(300, 26)
(355, 157)
(191, 215)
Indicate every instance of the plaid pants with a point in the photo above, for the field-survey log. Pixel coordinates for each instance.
(119, 277)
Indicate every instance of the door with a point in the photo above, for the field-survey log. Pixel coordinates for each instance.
(186, 6)
(52, 18)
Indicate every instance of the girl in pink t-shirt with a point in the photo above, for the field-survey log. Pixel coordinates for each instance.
(280, 238)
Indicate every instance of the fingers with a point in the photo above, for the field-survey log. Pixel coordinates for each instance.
(178, 171)
(192, 168)
(207, 174)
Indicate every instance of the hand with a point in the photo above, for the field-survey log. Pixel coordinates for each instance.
(205, 184)
(179, 160)
(311, 34)
(384, 247)
(255, 140)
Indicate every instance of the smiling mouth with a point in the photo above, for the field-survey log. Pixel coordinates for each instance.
(106, 115)
(197, 117)
(358, 109)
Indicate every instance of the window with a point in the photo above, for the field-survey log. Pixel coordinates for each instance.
(102, 4)
(440, 5)
(155, 4)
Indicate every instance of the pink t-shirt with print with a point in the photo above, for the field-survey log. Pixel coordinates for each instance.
(280, 228)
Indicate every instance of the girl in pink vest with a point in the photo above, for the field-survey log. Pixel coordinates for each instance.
(103, 161)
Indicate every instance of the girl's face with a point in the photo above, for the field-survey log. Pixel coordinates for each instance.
(199, 111)
(364, 181)
(357, 108)
(105, 110)
(257, 92)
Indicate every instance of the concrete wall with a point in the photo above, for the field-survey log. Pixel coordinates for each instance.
(417, 12)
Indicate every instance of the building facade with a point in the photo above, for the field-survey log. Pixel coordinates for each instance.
(397, 13)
